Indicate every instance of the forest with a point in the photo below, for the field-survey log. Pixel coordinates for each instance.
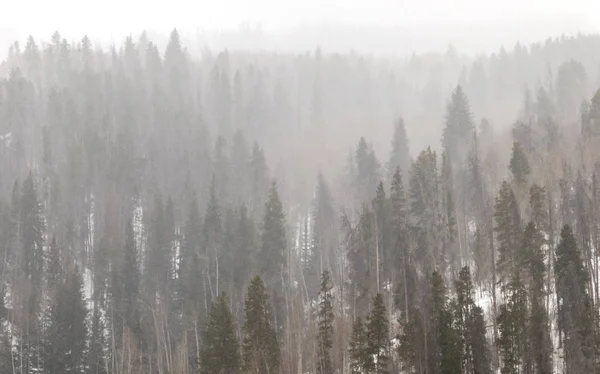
(177, 212)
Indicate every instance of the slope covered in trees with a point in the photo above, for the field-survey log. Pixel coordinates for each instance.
(268, 213)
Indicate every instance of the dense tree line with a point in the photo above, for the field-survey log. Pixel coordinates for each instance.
(145, 229)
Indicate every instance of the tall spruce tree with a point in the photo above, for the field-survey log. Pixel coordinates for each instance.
(260, 350)
(459, 128)
(575, 311)
(400, 154)
(272, 255)
(358, 348)
(519, 165)
(325, 320)
(220, 353)
(378, 339)
(512, 326)
(67, 333)
(473, 345)
(508, 230)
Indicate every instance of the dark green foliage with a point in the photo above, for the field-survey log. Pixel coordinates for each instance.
(470, 327)
(220, 353)
(575, 313)
(378, 339)
(125, 288)
(445, 355)
(519, 166)
(512, 326)
(398, 258)
(272, 255)
(425, 208)
(325, 318)
(359, 351)
(508, 229)
(260, 350)
(459, 125)
(362, 259)
(157, 269)
(66, 336)
(190, 295)
(412, 342)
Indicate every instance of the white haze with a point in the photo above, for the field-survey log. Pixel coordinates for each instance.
(368, 26)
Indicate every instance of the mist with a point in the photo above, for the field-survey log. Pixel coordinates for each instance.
(299, 187)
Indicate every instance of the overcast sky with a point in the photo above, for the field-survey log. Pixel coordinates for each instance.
(472, 22)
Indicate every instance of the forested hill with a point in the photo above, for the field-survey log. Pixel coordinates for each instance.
(236, 212)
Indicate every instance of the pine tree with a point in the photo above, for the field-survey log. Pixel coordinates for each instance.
(260, 350)
(378, 340)
(519, 166)
(459, 126)
(382, 236)
(358, 350)
(470, 327)
(367, 171)
(272, 253)
(220, 352)
(575, 313)
(400, 262)
(539, 350)
(325, 319)
(400, 154)
(67, 333)
(54, 266)
(512, 326)
(508, 230)
(425, 208)
(445, 355)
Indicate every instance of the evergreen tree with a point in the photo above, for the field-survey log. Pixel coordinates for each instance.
(382, 236)
(54, 266)
(575, 311)
(67, 333)
(425, 208)
(378, 340)
(359, 350)
(399, 261)
(459, 126)
(519, 166)
(220, 352)
(470, 327)
(260, 350)
(512, 326)
(508, 230)
(367, 171)
(325, 319)
(400, 154)
(272, 254)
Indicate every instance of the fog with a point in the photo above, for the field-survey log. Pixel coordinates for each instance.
(380, 26)
(269, 187)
